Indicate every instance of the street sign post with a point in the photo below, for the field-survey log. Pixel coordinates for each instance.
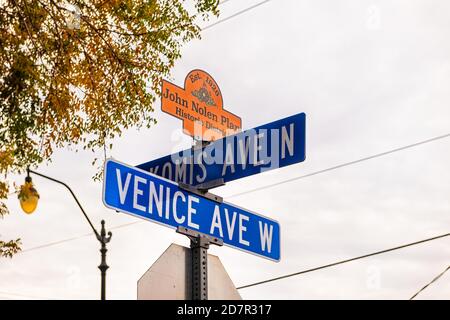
(174, 190)
(145, 195)
(267, 147)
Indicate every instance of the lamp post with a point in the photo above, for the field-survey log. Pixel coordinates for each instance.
(28, 201)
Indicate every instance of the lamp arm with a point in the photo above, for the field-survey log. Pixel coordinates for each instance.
(73, 195)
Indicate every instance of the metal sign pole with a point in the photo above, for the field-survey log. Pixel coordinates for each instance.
(200, 242)
(199, 249)
(199, 252)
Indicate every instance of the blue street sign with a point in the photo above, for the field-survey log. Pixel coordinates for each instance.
(271, 146)
(145, 195)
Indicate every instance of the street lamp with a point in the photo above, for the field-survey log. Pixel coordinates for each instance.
(29, 197)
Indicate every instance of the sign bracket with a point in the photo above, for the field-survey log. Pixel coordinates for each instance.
(200, 243)
(199, 144)
(210, 184)
(200, 192)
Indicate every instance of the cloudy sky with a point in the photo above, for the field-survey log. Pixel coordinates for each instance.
(370, 75)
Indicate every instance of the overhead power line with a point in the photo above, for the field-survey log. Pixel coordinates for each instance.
(51, 244)
(235, 14)
(223, 1)
(54, 243)
(341, 262)
(429, 284)
(346, 164)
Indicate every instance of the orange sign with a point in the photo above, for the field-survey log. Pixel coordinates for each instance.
(200, 105)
